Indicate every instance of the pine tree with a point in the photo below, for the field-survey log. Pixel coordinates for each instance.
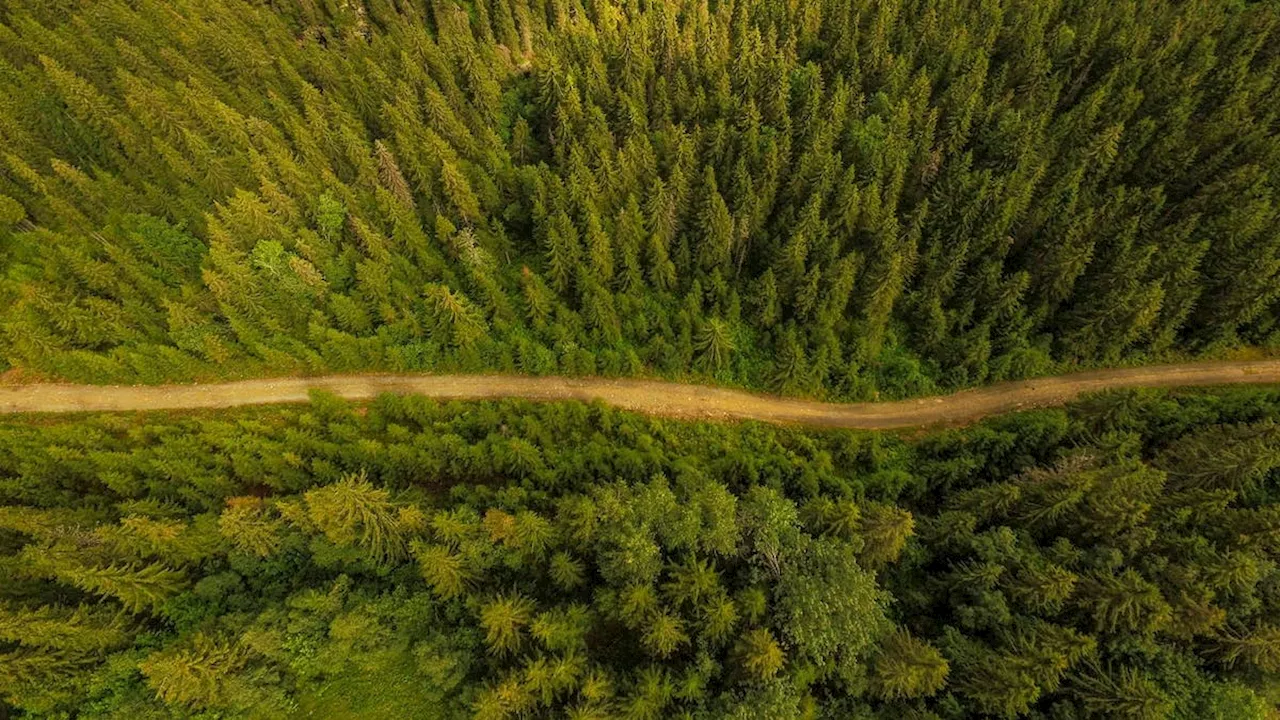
(246, 524)
(1227, 457)
(458, 191)
(790, 367)
(650, 695)
(1043, 586)
(566, 571)
(354, 512)
(195, 676)
(531, 534)
(760, 655)
(504, 620)
(1259, 646)
(884, 531)
(663, 634)
(842, 518)
(720, 617)
(390, 176)
(715, 344)
(636, 604)
(538, 297)
(715, 248)
(501, 527)
(600, 250)
(455, 315)
(22, 671)
(629, 238)
(905, 666)
(692, 581)
(137, 587)
(79, 630)
(562, 629)
(444, 570)
(1125, 601)
(997, 688)
(1123, 693)
(563, 250)
(504, 700)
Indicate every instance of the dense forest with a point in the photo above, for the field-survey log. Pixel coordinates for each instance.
(840, 198)
(812, 196)
(1114, 559)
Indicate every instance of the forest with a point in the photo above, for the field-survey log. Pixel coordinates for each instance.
(840, 199)
(824, 197)
(1113, 559)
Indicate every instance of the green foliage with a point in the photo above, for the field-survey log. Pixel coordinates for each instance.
(246, 524)
(80, 630)
(761, 656)
(354, 512)
(504, 620)
(716, 344)
(829, 609)
(10, 211)
(663, 634)
(394, 561)
(197, 676)
(815, 198)
(906, 666)
(443, 570)
(1125, 693)
(884, 532)
(135, 586)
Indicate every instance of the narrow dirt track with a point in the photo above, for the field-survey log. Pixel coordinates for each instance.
(646, 396)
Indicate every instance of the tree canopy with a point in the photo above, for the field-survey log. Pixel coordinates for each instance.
(825, 197)
(502, 560)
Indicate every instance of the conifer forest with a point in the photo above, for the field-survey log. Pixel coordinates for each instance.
(839, 200)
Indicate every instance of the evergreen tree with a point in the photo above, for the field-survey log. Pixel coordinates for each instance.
(905, 666)
(761, 656)
(246, 525)
(197, 676)
(504, 620)
(75, 630)
(715, 344)
(354, 512)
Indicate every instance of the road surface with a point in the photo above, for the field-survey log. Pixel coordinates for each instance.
(646, 396)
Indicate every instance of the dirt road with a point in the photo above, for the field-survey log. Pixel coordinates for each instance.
(646, 396)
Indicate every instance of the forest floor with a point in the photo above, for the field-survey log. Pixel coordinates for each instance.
(646, 396)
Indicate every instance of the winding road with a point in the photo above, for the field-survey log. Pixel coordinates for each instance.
(646, 396)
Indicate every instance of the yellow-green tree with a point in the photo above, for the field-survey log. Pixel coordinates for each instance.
(352, 511)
